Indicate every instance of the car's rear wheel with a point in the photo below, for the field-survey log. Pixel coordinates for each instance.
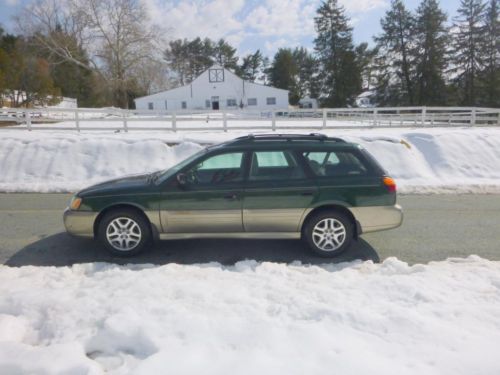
(329, 233)
(124, 232)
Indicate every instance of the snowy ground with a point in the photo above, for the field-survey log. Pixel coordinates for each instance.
(252, 318)
(433, 160)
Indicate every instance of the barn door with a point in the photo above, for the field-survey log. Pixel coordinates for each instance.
(215, 103)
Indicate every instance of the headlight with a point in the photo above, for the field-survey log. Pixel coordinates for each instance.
(75, 203)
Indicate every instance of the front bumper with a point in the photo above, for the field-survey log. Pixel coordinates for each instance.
(79, 223)
(373, 219)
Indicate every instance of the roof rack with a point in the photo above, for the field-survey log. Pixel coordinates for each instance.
(288, 137)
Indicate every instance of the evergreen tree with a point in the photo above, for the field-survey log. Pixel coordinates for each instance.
(24, 77)
(264, 71)
(283, 73)
(225, 55)
(365, 59)
(431, 47)
(490, 76)
(396, 73)
(340, 75)
(188, 59)
(251, 66)
(307, 81)
(467, 58)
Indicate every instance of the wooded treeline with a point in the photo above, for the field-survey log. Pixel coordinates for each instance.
(106, 52)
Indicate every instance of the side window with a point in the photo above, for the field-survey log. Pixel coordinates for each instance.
(270, 101)
(338, 163)
(218, 169)
(274, 165)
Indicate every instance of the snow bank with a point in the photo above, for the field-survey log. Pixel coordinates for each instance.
(64, 164)
(252, 318)
(422, 160)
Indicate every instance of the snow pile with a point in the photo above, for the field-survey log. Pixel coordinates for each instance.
(69, 163)
(421, 160)
(252, 318)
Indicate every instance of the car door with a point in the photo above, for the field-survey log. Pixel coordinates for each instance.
(210, 199)
(277, 192)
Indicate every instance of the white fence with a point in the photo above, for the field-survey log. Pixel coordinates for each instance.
(81, 119)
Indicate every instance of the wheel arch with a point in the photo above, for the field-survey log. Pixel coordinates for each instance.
(128, 206)
(332, 207)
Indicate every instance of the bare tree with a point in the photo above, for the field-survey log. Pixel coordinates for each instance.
(115, 34)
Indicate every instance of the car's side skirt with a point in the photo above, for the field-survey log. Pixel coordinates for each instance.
(250, 235)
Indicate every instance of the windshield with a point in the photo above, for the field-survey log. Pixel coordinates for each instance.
(163, 175)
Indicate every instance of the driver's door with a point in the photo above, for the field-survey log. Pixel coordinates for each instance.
(210, 201)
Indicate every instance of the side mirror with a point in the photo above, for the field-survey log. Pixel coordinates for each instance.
(182, 179)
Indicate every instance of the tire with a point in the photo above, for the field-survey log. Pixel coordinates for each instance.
(328, 233)
(124, 232)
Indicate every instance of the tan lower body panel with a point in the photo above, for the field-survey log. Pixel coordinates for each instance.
(202, 221)
(377, 218)
(254, 235)
(275, 220)
(79, 223)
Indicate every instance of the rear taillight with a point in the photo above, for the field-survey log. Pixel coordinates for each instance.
(390, 184)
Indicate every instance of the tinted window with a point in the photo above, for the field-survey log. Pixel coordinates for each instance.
(217, 169)
(338, 163)
(274, 165)
(271, 101)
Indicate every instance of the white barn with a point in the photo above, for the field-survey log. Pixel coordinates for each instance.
(216, 89)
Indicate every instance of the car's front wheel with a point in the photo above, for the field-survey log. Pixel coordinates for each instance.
(124, 232)
(329, 233)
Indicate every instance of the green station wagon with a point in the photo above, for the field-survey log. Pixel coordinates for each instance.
(321, 189)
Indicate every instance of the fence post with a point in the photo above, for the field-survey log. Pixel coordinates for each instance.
(324, 118)
(224, 121)
(273, 120)
(424, 112)
(28, 120)
(473, 117)
(77, 120)
(174, 122)
(125, 125)
(375, 117)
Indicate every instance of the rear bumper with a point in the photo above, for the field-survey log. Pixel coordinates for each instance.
(79, 223)
(373, 219)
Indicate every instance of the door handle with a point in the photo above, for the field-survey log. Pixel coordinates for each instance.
(231, 196)
(307, 192)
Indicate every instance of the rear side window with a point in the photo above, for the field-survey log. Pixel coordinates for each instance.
(335, 163)
(274, 165)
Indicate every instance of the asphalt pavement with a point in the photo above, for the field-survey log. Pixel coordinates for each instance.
(435, 227)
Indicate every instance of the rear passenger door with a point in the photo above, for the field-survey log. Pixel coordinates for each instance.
(277, 192)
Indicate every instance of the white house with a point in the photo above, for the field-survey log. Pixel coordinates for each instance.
(308, 102)
(365, 99)
(216, 88)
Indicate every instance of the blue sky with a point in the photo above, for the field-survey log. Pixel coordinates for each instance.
(252, 24)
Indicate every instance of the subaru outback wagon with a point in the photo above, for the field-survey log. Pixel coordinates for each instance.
(321, 189)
